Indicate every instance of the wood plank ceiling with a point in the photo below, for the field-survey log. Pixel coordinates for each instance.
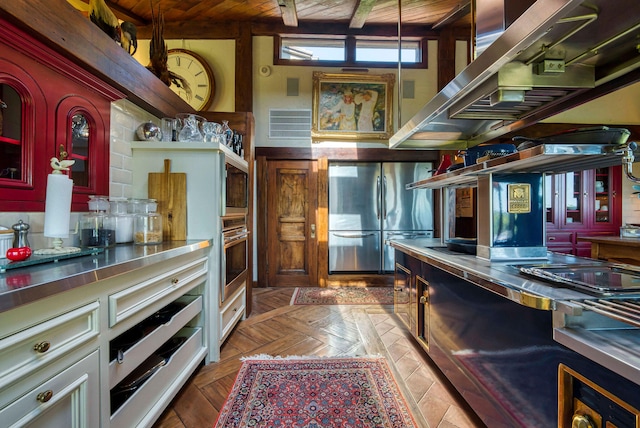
(292, 13)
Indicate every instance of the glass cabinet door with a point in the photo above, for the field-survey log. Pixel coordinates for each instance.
(551, 196)
(574, 203)
(603, 195)
(11, 145)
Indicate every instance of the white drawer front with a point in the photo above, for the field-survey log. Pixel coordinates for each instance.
(32, 348)
(231, 313)
(68, 399)
(126, 303)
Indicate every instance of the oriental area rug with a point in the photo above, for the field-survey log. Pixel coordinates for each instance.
(311, 392)
(342, 296)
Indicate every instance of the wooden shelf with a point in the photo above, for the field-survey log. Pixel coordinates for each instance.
(60, 26)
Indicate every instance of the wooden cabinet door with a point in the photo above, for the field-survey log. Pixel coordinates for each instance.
(292, 256)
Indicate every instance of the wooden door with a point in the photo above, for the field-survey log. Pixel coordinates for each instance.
(292, 192)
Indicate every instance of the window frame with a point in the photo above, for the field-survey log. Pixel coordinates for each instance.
(350, 53)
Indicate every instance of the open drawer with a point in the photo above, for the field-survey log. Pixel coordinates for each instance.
(152, 396)
(128, 359)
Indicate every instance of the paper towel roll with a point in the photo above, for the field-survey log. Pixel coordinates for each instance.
(57, 211)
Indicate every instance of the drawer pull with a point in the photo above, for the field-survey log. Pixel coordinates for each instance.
(552, 238)
(423, 300)
(235, 309)
(45, 396)
(174, 281)
(42, 347)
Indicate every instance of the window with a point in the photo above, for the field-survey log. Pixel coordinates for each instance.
(349, 52)
(313, 50)
(380, 51)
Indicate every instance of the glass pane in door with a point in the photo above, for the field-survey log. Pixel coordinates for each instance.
(602, 188)
(574, 209)
(549, 198)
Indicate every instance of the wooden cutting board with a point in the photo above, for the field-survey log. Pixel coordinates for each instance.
(170, 190)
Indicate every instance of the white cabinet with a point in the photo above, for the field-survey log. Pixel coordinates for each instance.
(69, 398)
(160, 315)
(204, 165)
(232, 312)
(62, 360)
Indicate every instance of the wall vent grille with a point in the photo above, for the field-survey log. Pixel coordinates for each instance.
(289, 124)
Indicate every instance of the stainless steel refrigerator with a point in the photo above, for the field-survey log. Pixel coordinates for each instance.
(368, 203)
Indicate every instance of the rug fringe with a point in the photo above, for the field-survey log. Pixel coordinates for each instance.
(306, 357)
(293, 298)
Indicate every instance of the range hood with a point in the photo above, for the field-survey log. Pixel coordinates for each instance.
(556, 55)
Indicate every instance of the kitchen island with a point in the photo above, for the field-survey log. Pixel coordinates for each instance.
(105, 339)
(521, 351)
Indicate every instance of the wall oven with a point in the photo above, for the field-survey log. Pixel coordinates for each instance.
(236, 188)
(233, 267)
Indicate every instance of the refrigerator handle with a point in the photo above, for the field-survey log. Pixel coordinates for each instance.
(378, 197)
(383, 198)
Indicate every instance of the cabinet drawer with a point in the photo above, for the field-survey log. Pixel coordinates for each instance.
(32, 348)
(559, 238)
(232, 312)
(148, 402)
(72, 399)
(134, 299)
(139, 352)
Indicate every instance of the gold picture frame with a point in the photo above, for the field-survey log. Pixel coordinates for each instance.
(352, 106)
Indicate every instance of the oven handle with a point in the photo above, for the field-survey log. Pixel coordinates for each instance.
(234, 239)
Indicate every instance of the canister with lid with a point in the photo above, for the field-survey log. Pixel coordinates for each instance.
(98, 227)
(148, 223)
(120, 210)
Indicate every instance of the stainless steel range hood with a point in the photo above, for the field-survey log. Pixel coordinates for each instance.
(555, 56)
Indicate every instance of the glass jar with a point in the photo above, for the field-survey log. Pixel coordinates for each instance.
(98, 228)
(147, 229)
(120, 210)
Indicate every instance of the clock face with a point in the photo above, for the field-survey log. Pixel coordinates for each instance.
(197, 74)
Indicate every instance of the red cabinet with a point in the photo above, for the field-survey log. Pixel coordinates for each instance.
(46, 98)
(582, 203)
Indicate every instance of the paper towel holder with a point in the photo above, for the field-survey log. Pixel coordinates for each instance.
(58, 165)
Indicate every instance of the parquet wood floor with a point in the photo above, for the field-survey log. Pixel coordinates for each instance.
(276, 328)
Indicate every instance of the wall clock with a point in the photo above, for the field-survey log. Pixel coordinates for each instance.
(195, 70)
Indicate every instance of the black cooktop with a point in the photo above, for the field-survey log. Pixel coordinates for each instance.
(599, 279)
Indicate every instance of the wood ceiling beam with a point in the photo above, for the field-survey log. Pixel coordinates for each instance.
(289, 13)
(463, 9)
(361, 12)
(328, 29)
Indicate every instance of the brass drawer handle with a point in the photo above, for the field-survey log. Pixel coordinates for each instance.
(42, 347)
(174, 281)
(45, 396)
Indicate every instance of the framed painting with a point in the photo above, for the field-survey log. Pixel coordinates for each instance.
(352, 106)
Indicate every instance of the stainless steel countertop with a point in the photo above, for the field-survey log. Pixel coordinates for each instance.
(614, 346)
(25, 285)
(499, 277)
